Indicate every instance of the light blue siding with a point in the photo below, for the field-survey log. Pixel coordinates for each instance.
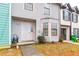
(4, 23)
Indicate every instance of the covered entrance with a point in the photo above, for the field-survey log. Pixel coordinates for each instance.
(65, 32)
(24, 29)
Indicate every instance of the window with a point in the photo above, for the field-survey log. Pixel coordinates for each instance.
(74, 17)
(45, 29)
(66, 15)
(46, 11)
(76, 32)
(54, 29)
(28, 6)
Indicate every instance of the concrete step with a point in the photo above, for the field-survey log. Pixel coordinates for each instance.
(24, 43)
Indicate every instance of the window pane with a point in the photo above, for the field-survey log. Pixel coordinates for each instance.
(46, 11)
(69, 16)
(54, 29)
(75, 17)
(45, 29)
(28, 6)
(54, 25)
(54, 32)
(45, 25)
(78, 33)
(74, 31)
(45, 32)
(66, 15)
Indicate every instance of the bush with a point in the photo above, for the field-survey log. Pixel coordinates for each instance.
(41, 39)
(74, 38)
(60, 40)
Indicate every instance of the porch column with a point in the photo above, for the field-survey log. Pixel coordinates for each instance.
(68, 34)
(49, 30)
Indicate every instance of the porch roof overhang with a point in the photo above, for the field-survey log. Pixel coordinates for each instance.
(66, 25)
(24, 19)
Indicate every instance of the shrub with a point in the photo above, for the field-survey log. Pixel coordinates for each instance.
(61, 40)
(41, 39)
(74, 38)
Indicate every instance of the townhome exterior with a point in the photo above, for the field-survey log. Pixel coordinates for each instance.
(29, 20)
(69, 21)
(75, 22)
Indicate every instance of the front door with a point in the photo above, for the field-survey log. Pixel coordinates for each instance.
(63, 33)
(27, 31)
(24, 30)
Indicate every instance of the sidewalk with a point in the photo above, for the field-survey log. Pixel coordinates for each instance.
(29, 50)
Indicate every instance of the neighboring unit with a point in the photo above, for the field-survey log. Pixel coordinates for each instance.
(75, 22)
(5, 25)
(69, 21)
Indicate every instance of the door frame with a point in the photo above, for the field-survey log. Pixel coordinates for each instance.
(62, 30)
(67, 32)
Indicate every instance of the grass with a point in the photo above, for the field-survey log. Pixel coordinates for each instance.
(10, 52)
(58, 49)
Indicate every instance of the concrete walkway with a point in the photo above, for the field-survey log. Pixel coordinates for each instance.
(72, 42)
(29, 50)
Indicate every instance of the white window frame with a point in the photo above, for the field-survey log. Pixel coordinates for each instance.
(46, 11)
(28, 6)
(75, 20)
(75, 31)
(67, 17)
